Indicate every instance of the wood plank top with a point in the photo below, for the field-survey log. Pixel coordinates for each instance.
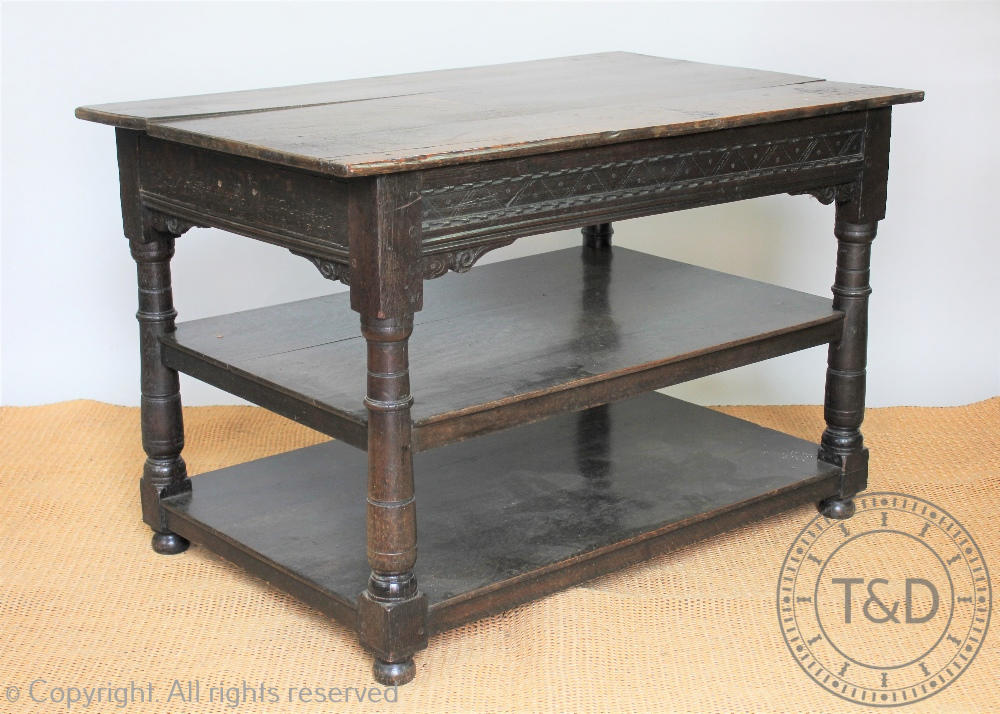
(413, 121)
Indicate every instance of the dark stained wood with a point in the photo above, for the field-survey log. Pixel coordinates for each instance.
(384, 239)
(509, 198)
(164, 473)
(407, 122)
(844, 405)
(293, 209)
(867, 203)
(612, 71)
(463, 211)
(392, 612)
(127, 148)
(855, 226)
(598, 237)
(387, 183)
(510, 516)
(514, 342)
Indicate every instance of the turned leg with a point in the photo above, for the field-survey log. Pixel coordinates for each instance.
(164, 473)
(391, 612)
(593, 426)
(844, 408)
(598, 236)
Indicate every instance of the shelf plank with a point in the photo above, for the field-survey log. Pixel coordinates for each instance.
(525, 339)
(510, 516)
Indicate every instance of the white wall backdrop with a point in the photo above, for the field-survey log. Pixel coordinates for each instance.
(68, 294)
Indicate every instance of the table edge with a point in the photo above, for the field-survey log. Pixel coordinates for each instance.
(362, 165)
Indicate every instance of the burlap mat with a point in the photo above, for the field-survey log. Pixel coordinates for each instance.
(84, 602)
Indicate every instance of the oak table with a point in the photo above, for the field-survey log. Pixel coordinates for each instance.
(544, 457)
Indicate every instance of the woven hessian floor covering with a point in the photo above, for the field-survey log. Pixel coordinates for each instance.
(84, 602)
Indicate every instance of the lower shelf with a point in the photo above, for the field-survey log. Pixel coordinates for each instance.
(510, 516)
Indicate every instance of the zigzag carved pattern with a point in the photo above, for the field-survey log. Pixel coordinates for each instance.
(504, 198)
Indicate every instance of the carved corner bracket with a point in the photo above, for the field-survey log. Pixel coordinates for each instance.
(828, 194)
(329, 269)
(459, 260)
(173, 225)
(432, 266)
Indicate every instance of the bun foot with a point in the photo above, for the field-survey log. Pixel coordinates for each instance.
(392, 674)
(169, 543)
(837, 508)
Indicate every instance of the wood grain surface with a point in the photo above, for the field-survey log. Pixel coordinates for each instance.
(510, 516)
(512, 342)
(411, 121)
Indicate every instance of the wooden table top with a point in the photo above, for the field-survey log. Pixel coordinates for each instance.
(412, 121)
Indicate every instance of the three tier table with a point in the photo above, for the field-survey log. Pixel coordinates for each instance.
(507, 409)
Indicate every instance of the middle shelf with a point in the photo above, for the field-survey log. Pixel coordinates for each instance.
(515, 342)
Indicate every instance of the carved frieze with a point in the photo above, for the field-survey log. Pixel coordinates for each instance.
(463, 206)
(507, 198)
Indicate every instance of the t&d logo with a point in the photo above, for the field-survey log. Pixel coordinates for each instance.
(888, 607)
